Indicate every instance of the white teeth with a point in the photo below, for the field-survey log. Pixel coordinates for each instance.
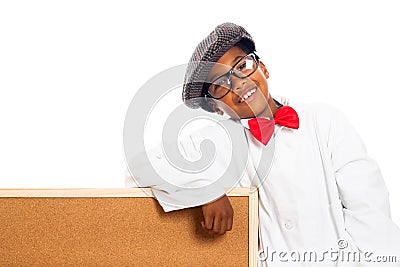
(249, 93)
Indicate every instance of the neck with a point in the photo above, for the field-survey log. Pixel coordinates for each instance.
(270, 108)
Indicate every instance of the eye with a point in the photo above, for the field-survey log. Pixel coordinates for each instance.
(242, 65)
(221, 82)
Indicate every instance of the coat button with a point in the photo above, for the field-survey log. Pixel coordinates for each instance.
(289, 224)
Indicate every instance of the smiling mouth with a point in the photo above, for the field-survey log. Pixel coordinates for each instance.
(247, 96)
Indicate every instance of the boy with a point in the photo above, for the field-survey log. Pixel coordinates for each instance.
(322, 193)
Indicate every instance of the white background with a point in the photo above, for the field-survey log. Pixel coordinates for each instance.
(69, 69)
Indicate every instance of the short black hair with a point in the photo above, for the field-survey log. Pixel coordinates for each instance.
(246, 45)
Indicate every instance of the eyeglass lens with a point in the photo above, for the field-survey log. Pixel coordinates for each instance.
(242, 69)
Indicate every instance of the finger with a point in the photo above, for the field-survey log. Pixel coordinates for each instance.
(208, 220)
(203, 225)
(224, 224)
(229, 223)
(217, 225)
(209, 232)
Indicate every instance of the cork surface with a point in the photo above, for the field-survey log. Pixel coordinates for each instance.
(107, 231)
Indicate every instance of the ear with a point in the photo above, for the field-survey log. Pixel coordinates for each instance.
(264, 69)
(214, 107)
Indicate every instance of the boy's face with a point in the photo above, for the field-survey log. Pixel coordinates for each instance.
(257, 104)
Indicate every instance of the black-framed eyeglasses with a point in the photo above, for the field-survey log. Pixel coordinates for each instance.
(222, 85)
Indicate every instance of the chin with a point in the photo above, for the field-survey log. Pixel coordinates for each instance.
(252, 109)
(256, 110)
(249, 114)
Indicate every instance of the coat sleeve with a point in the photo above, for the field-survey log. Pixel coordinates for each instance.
(362, 190)
(174, 187)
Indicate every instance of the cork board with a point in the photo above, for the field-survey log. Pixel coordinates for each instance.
(118, 227)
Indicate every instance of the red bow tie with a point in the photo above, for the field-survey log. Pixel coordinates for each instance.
(263, 128)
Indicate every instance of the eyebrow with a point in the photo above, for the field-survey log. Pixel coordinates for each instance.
(234, 61)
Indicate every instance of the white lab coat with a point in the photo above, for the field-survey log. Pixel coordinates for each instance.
(322, 187)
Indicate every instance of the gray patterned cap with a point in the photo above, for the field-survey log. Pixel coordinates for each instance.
(208, 51)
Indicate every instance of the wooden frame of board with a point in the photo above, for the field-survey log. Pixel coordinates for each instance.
(20, 221)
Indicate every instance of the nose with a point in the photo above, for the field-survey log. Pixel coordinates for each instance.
(238, 83)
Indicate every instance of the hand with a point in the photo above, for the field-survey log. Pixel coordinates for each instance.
(218, 216)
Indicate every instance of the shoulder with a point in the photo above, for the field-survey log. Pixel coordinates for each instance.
(222, 134)
(326, 121)
(323, 120)
(315, 111)
(318, 112)
(216, 132)
(316, 108)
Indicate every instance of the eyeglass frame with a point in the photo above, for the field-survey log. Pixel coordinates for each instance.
(232, 72)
